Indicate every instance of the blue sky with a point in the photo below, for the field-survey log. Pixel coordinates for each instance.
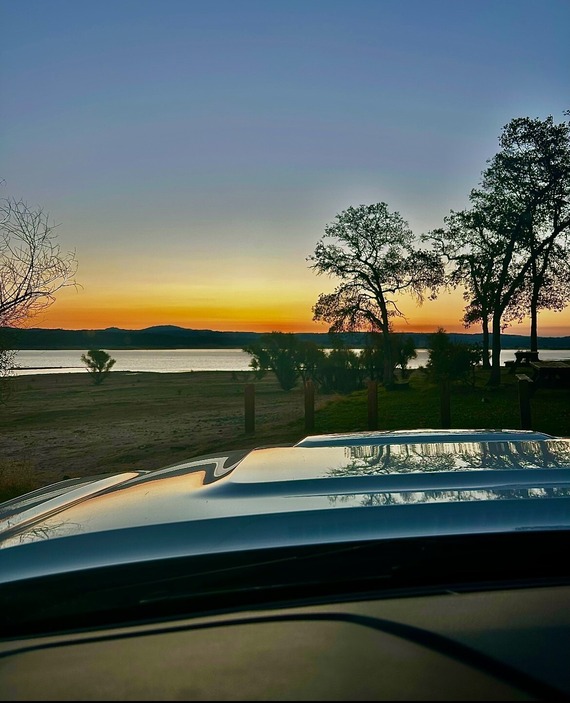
(193, 152)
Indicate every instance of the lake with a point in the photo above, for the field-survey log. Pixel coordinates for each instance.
(183, 360)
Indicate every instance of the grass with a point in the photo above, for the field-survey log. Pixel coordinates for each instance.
(475, 406)
(60, 425)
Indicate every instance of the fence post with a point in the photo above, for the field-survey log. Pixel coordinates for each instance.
(445, 403)
(309, 406)
(372, 405)
(249, 397)
(525, 392)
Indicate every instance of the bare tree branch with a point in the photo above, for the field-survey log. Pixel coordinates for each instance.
(32, 265)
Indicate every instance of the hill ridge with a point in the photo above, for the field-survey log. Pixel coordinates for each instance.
(173, 337)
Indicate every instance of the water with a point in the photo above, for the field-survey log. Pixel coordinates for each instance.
(183, 360)
(157, 360)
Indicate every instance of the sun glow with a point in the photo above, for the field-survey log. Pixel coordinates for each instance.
(256, 306)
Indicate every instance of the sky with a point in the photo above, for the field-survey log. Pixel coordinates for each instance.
(192, 152)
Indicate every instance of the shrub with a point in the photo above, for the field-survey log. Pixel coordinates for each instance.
(372, 355)
(450, 360)
(98, 364)
(275, 351)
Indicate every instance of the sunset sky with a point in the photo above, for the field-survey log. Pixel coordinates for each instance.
(194, 150)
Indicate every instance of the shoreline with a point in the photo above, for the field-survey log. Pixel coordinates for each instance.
(179, 361)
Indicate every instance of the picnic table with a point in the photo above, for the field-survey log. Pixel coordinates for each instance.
(526, 355)
(551, 373)
(522, 356)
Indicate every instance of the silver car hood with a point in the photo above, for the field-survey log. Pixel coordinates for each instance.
(324, 489)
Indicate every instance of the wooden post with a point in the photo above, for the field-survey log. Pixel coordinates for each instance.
(525, 391)
(372, 405)
(445, 403)
(309, 406)
(249, 396)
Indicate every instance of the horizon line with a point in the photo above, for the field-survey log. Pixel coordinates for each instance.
(324, 332)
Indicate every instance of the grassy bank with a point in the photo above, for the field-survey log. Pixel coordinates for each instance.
(60, 425)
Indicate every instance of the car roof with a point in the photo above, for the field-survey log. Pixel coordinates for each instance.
(421, 435)
(328, 488)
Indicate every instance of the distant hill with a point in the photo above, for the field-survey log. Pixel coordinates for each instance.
(172, 337)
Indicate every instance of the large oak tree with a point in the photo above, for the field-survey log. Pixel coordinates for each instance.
(374, 255)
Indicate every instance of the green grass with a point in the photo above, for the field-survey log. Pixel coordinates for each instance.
(475, 407)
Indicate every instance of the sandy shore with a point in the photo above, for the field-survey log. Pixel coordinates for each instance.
(61, 425)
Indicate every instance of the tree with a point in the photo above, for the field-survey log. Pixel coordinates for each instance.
(548, 286)
(373, 253)
(472, 256)
(404, 352)
(275, 351)
(529, 179)
(450, 360)
(372, 355)
(341, 370)
(309, 359)
(32, 266)
(7, 358)
(98, 363)
(32, 269)
(510, 249)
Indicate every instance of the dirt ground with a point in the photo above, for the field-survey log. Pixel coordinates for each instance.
(56, 426)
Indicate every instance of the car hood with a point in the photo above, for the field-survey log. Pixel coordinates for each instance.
(324, 489)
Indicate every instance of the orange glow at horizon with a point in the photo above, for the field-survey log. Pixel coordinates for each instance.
(262, 316)
(246, 314)
(129, 318)
(267, 298)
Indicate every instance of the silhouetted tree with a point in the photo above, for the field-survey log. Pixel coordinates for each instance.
(530, 178)
(32, 270)
(404, 352)
(373, 252)
(32, 267)
(7, 357)
(508, 246)
(451, 360)
(340, 370)
(277, 352)
(372, 354)
(548, 287)
(309, 358)
(98, 364)
(473, 256)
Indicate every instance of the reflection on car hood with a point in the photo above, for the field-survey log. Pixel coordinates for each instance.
(324, 489)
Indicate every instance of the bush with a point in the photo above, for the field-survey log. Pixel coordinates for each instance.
(98, 363)
(450, 360)
(275, 351)
(341, 371)
(372, 355)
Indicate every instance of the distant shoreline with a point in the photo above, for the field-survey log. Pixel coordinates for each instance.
(169, 337)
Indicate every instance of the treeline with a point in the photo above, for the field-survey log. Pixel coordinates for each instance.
(169, 337)
(343, 369)
(508, 252)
